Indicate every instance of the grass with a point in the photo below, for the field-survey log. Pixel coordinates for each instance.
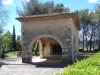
(88, 52)
(10, 53)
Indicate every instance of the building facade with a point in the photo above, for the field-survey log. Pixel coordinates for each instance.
(57, 34)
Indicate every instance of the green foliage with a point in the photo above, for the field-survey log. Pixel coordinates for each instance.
(36, 49)
(7, 40)
(34, 7)
(60, 6)
(88, 33)
(10, 53)
(47, 7)
(3, 15)
(90, 66)
(14, 39)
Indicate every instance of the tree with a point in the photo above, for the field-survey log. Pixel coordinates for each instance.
(83, 16)
(46, 7)
(3, 19)
(88, 27)
(34, 7)
(97, 11)
(61, 7)
(7, 41)
(14, 39)
(3, 15)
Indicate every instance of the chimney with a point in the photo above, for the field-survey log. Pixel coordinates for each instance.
(58, 10)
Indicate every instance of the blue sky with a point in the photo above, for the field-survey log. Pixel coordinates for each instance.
(10, 5)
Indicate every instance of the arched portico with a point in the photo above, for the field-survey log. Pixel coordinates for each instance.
(58, 26)
(51, 49)
(51, 36)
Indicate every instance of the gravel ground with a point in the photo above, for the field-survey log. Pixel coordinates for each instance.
(13, 66)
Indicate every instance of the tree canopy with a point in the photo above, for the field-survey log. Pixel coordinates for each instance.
(89, 21)
(3, 15)
(7, 40)
(34, 7)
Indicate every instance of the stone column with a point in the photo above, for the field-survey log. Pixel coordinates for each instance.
(26, 54)
(41, 48)
(26, 51)
(67, 56)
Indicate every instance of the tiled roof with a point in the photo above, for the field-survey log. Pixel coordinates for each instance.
(45, 15)
(49, 17)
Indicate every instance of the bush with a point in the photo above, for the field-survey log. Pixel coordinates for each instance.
(90, 66)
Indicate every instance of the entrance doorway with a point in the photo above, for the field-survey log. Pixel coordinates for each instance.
(57, 49)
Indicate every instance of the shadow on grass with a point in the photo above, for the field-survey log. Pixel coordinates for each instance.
(86, 54)
(82, 57)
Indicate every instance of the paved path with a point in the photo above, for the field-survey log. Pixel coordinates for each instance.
(13, 66)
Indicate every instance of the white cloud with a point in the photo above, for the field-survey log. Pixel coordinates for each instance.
(93, 1)
(26, 0)
(7, 1)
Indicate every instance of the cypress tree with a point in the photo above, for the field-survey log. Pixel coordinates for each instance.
(14, 39)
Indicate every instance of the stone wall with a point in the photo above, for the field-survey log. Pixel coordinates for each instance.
(58, 29)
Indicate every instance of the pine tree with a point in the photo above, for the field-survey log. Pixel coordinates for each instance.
(14, 39)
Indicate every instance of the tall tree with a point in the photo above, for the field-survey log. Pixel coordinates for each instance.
(14, 39)
(34, 7)
(3, 20)
(97, 11)
(46, 7)
(87, 28)
(3, 15)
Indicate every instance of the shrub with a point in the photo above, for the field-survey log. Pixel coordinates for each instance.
(90, 66)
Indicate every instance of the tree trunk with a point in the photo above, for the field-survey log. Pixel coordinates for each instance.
(83, 41)
(99, 45)
(86, 43)
(90, 42)
(99, 42)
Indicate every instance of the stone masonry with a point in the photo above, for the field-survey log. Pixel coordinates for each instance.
(62, 27)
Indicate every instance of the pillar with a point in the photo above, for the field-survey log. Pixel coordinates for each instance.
(26, 54)
(67, 56)
(41, 48)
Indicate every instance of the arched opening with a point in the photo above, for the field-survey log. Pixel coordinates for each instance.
(48, 48)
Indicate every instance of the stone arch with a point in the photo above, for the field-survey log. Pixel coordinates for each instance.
(51, 36)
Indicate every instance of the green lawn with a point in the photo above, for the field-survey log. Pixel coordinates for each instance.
(88, 52)
(10, 53)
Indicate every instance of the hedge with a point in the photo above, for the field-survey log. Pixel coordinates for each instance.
(90, 66)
